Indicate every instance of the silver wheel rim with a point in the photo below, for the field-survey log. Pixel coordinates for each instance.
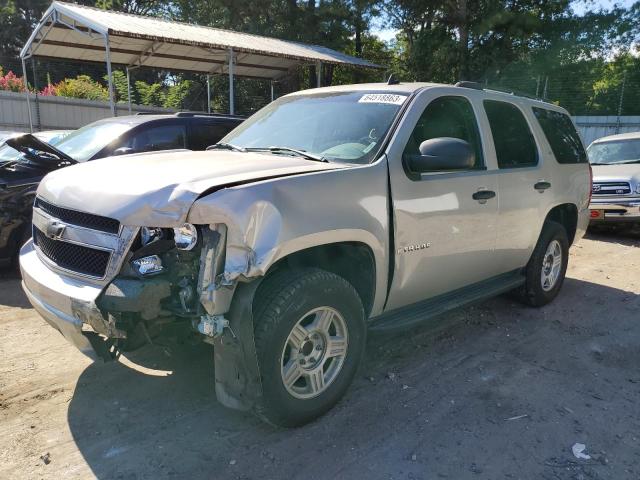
(314, 353)
(551, 265)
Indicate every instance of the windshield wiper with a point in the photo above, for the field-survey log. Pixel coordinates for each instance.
(299, 153)
(226, 146)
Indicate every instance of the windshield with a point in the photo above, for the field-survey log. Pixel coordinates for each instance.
(346, 126)
(610, 153)
(84, 143)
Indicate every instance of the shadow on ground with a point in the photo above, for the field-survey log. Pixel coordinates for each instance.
(502, 391)
(622, 234)
(11, 294)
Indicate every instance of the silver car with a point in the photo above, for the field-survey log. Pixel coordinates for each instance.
(328, 213)
(616, 179)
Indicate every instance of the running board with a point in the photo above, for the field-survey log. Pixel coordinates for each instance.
(421, 312)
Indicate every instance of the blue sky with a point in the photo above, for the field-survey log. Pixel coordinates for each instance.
(580, 7)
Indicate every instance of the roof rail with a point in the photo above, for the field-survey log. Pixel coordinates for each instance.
(393, 80)
(205, 114)
(509, 91)
(466, 84)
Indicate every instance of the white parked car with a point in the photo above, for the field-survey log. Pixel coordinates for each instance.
(616, 178)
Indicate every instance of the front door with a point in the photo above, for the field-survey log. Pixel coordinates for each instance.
(444, 233)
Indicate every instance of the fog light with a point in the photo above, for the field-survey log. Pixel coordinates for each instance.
(185, 236)
(148, 265)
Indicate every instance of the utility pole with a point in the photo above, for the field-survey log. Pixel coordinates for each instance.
(624, 81)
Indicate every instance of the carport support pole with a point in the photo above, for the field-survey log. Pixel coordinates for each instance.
(107, 50)
(319, 74)
(231, 61)
(129, 90)
(271, 90)
(26, 93)
(208, 93)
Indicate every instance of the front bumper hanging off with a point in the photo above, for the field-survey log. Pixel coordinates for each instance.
(64, 303)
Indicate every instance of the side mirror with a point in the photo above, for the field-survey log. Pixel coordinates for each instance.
(442, 154)
(123, 151)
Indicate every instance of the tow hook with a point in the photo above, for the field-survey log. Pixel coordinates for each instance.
(213, 326)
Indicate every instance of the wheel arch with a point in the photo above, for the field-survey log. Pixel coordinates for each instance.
(354, 261)
(566, 214)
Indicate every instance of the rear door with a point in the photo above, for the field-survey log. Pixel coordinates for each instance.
(521, 181)
(444, 238)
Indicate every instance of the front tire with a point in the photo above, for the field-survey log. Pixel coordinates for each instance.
(310, 336)
(547, 266)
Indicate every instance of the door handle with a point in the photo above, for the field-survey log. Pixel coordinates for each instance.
(483, 195)
(541, 186)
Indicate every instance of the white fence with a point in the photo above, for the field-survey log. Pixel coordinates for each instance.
(54, 113)
(592, 127)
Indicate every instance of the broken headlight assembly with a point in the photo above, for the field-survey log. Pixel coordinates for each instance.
(185, 237)
(154, 241)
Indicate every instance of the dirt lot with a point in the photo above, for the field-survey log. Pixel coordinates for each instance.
(499, 392)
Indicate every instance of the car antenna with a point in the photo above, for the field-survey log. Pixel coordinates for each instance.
(393, 80)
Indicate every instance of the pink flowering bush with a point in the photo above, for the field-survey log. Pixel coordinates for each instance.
(49, 91)
(11, 82)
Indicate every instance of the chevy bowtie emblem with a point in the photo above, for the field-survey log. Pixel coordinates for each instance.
(55, 230)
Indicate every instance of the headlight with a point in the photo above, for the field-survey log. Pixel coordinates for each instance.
(185, 236)
(150, 234)
(638, 188)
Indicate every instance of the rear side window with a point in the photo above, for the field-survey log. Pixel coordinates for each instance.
(514, 142)
(561, 135)
(203, 135)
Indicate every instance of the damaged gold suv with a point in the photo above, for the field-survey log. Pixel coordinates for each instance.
(328, 213)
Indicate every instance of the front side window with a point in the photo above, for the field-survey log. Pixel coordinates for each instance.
(338, 126)
(512, 137)
(618, 151)
(450, 117)
(561, 135)
(162, 137)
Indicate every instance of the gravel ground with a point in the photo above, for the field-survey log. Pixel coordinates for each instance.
(497, 391)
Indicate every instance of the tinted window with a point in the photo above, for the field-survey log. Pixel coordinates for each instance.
(447, 117)
(561, 135)
(161, 137)
(203, 135)
(514, 142)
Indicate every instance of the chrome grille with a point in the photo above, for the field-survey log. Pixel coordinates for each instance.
(81, 219)
(69, 256)
(611, 188)
(79, 243)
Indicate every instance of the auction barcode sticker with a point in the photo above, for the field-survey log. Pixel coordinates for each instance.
(389, 98)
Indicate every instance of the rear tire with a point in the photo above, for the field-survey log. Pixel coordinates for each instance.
(310, 335)
(547, 266)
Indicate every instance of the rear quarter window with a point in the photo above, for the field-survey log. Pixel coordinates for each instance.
(561, 135)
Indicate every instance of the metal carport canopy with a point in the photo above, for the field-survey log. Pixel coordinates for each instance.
(90, 34)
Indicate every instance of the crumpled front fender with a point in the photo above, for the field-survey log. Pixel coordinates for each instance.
(266, 221)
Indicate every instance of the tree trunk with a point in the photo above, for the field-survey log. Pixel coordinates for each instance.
(463, 31)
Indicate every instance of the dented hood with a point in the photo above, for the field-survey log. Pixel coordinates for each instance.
(158, 189)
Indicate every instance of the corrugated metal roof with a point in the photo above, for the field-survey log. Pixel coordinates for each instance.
(171, 45)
